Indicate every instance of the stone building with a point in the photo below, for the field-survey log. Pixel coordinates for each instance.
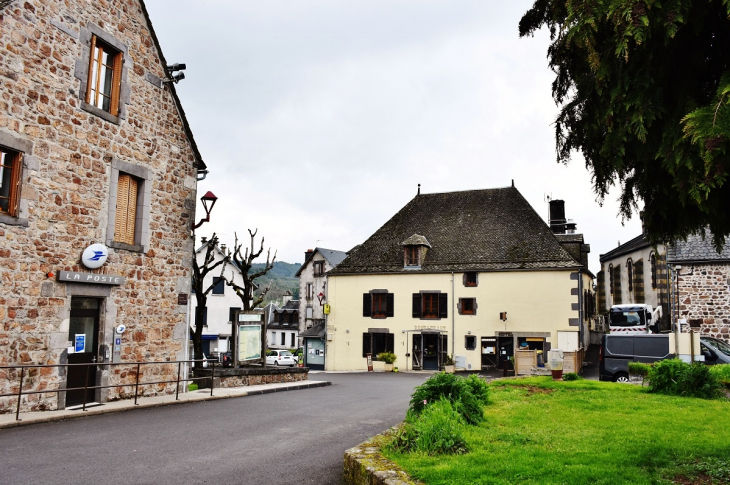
(96, 151)
(635, 272)
(700, 286)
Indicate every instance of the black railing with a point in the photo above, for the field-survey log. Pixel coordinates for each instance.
(86, 388)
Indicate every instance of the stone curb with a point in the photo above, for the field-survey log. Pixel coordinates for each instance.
(365, 465)
(95, 411)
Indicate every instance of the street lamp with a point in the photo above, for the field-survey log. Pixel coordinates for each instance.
(208, 198)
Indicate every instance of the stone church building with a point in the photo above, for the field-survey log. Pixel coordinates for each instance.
(97, 192)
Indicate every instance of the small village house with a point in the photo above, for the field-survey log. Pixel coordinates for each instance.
(475, 275)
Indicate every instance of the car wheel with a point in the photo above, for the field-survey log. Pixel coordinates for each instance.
(276, 363)
(621, 377)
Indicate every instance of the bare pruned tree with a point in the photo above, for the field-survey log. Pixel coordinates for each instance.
(200, 271)
(244, 262)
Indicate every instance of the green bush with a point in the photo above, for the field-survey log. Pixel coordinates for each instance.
(438, 430)
(678, 378)
(468, 396)
(722, 372)
(192, 387)
(387, 357)
(639, 369)
(571, 376)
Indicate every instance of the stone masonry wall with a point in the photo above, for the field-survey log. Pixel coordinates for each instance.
(65, 194)
(704, 299)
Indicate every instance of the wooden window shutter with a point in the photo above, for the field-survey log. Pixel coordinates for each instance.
(458, 307)
(475, 303)
(416, 305)
(116, 84)
(91, 69)
(367, 304)
(390, 305)
(464, 280)
(15, 185)
(366, 344)
(389, 342)
(443, 305)
(126, 213)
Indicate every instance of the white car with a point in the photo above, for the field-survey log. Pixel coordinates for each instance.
(280, 357)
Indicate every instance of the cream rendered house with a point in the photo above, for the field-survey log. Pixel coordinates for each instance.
(473, 274)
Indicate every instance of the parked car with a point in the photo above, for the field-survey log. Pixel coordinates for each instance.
(280, 357)
(618, 350)
(715, 351)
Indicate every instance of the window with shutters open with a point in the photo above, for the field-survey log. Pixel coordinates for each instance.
(105, 76)
(430, 305)
(126, 213)
(10, 166)
(378, 304)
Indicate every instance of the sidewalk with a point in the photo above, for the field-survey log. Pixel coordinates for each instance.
(8, 420)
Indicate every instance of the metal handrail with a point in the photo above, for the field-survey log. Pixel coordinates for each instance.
(136, 383)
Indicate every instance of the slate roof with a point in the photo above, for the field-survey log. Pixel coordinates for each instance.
(696, 249)
(640, 241)
(475, 230)
(332, 256)
(317, 330)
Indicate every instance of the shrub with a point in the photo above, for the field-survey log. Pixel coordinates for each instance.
(639, 369)
(468, 396)
(571, 376)
(681, 379)
(387, 357)
(192, 387)
(438, 430)
(722, 372)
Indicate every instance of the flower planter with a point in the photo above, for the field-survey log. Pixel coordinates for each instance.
(388, 367)
(449, 369)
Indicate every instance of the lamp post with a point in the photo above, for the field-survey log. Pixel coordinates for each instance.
(208, 199)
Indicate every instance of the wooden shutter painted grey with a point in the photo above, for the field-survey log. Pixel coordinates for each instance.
(416, 305)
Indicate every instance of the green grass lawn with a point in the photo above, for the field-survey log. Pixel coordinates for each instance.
(540, 431)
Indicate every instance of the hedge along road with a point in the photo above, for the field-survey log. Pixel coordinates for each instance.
(278, 438)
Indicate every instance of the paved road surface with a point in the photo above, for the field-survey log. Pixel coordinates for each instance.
(292, 437)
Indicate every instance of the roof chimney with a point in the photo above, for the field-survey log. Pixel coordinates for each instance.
(203, 239)
(557, 216)
(307, 254)
(223, 248)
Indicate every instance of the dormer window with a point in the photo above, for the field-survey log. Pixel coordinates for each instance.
(413, 256)
(414, 251)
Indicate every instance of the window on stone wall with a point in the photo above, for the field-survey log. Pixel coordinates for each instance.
(126, 213)
(652, 262)
(11, 163)
(630, 271)
(220, 285)
(105, 76)
(318, 268)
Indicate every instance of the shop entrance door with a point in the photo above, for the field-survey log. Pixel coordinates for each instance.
(314, 353)
(506, 349)
(431, 351)
(489, 352)
(83, 330)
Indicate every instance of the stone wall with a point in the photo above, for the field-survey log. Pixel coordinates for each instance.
(704, 299)
(252, 377)
(66, 186)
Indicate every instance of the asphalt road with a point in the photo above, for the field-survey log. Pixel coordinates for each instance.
(291, 437)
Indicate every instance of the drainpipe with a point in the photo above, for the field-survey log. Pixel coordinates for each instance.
(453, 319)
(581, 331)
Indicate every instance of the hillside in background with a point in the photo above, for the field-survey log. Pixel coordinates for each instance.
(282, 275)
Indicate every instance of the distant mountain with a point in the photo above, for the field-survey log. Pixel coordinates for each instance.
(282, 275)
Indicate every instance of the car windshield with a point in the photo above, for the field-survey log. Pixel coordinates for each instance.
(626, 318)
(720, 345)
(284, 353)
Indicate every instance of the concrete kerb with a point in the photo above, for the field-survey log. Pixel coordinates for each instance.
(8, 420)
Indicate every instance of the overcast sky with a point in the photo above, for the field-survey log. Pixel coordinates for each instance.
(318, 119)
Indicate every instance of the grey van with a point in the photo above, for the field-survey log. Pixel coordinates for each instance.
(618, 350)
(715, 351)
